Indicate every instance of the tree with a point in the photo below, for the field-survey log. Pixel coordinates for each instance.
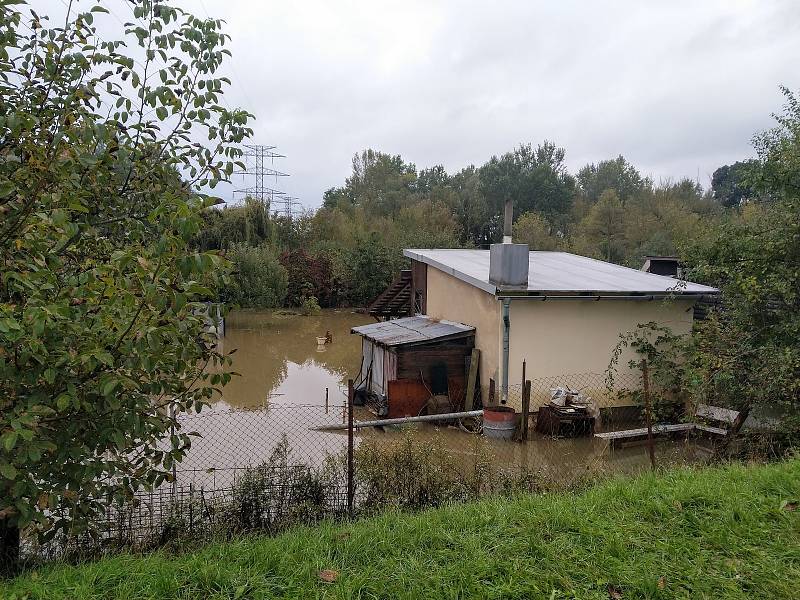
(730, 183)
(258, 279)
(381, 183)
(370, 269)
(603, 228)
(308, 276)
(747, 353)
(533, 229)
(617, 174)
(101, 297)
(534, 179)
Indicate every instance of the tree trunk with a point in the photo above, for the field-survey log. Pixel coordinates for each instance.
(9, 548)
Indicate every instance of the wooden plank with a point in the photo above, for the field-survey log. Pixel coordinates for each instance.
(642, 431)
(717, 413)
(712, 430)
(472, 378)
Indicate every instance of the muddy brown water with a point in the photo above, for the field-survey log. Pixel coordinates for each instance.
(280, 391)
(280, 363)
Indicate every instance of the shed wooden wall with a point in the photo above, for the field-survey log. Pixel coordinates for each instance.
(414, 360)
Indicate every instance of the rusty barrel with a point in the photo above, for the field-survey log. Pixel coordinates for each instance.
(499, 422)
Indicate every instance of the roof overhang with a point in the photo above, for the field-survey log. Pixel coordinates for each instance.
(486, 287)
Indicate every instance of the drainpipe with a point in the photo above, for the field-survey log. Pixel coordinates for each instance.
(506, 331)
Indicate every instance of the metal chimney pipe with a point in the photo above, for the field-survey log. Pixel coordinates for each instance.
(508, 221)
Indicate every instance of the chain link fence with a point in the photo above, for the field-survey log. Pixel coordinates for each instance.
(268, 468)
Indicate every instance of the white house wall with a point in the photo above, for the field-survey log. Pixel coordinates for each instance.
(576, 337)
(556, 337)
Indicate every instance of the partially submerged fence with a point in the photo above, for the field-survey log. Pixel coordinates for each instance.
(265, 469)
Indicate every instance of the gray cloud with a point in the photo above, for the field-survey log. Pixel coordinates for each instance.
(677, 87)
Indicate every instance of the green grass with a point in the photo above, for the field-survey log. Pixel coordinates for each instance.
(712, 533)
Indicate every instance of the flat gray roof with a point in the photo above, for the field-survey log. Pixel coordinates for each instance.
(412, 330)
(559, 273)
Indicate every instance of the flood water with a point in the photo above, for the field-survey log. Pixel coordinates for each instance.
(280, 394)
(280, 363)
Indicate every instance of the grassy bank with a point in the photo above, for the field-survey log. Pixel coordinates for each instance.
(729, 532)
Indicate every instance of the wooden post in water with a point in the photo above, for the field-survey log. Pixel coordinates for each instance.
(526, 404)
(326, 401)
(350, 466)
(526, 409)
(647, 414)
(475, 358)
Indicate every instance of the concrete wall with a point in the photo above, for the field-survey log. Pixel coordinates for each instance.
(452, 299)
(564, 337)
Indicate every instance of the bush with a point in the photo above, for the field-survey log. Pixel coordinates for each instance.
(310, 306)
(258, 279)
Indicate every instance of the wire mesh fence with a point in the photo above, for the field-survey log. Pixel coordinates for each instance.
(267, 468)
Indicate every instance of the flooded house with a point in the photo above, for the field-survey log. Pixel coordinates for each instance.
(560, 312)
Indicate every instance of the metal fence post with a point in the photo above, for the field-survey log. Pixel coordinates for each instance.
(350, 489)
(172, 417)
(647, 414)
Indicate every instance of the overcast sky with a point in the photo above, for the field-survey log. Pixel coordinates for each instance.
(678, 87)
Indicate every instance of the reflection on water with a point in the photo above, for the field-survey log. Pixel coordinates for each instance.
(280, 362)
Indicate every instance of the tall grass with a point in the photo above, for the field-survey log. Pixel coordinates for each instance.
(722, 532)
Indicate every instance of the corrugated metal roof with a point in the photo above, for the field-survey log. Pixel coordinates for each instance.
(559, 273)
(412, 330)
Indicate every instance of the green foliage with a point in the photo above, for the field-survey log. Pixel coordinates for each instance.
(533, 229)
(730, 183)
(726, 532)
(101, 296)
(387, 205)
(370, 269)
(617, 175)
(662, 357)
(603, 228)
(310, 307)
(258, 279)
(534, 179)
(748, 351)
(249, 223)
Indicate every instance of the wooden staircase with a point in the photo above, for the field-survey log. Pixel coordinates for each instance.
(395, 300)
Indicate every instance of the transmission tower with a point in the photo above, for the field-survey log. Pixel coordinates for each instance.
(286, 205)
(260, 160)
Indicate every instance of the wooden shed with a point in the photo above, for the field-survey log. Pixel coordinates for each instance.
(404, 362)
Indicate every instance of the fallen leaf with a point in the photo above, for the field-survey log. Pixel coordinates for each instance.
(343, 535)
(662, 582)
(790, 505)
(328, 575)
(614, 592)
